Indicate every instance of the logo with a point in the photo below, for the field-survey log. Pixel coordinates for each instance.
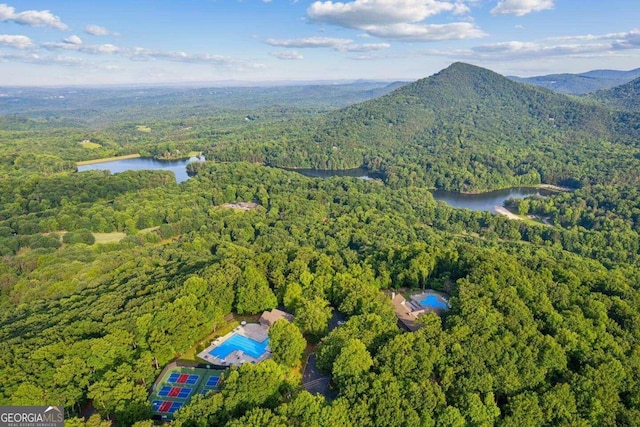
(31, 416)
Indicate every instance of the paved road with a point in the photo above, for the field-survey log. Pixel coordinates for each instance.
(314, 380)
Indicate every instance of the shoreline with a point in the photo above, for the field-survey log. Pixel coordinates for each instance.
(554, 187)
(108, 159)
(137, 156)
(549, 187)
(504, 211)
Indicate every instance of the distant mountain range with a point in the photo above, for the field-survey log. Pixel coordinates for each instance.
(583, 83)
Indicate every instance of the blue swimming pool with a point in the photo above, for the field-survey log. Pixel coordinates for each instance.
(240, 342)
(433, 302)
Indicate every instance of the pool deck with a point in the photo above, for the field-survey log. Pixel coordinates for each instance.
(253, 331)
(408, 310)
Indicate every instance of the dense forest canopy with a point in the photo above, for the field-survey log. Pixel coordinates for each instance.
(544, 325)
(624, 97)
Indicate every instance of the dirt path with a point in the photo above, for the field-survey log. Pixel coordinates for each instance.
(553, 187)
(504, 211)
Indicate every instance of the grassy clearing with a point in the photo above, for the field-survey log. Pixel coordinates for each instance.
(114, 237)
(107, 159)
(90, 145)
(149, 230)
(190, 355)
(145, 129)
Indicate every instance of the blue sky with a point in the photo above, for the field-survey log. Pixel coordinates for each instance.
(153, 41)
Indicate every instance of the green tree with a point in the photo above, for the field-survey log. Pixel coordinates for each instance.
(312, 316)
(260, 417)
(254, 294)
(353, 361)
(287, 343)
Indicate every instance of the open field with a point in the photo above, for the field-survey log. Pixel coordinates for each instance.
(114, 237)
(107, 159)
(190, 355)
(90, 145)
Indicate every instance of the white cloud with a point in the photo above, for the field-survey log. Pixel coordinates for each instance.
(365, 57)
(75, 40)
(603, 44)
(362, 13)
(396, 19)
(96, 30)
(142, 54)
(342, 45)
(74, 43)
(290, 55)
(31, 18)
(427, 32)
(16, 42)
(521, 7)
(581, 46)
(330, 42)
(620, 37)
(366, 47)
(34, 58)
(516, 49)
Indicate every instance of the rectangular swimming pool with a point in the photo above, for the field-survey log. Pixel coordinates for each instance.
(248, 346)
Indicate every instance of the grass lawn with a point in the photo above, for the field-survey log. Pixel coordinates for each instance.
(90, 145)
(114, 237)
(190, 356)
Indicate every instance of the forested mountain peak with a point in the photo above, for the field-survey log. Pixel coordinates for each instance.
(459, 81)
(488, 128)
(626, 96)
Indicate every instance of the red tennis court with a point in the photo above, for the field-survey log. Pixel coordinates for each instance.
(182, 378)
(175, 391)
(165, 406)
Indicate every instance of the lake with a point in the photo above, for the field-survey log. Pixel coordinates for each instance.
(487, 201)
(477, 202)
(178, 167)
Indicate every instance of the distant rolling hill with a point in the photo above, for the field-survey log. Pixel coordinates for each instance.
(468, 129)
(92, 105)
(583, 83)
(624, 97)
